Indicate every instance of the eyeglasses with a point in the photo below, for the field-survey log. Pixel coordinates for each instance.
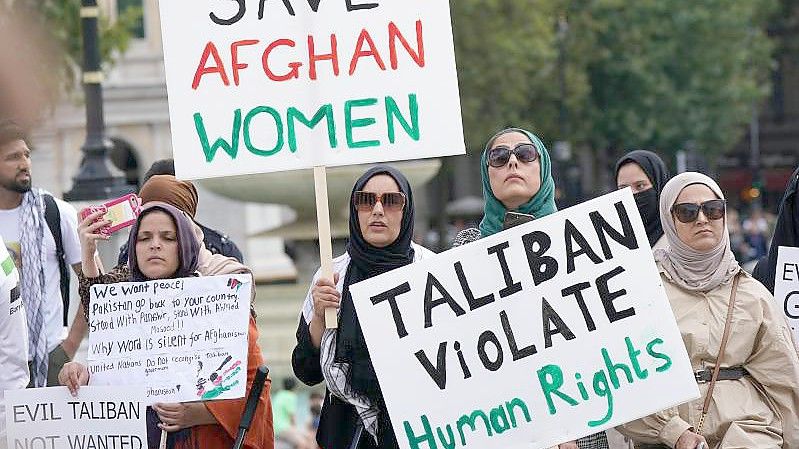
(688, 212)
(500, 155)
(365, 201)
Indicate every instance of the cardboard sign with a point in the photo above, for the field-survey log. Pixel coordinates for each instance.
(100, 417)
(185, 339)
(258, 87)
(786, 286)
(552, 330)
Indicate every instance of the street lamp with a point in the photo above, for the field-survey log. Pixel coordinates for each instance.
(94, 180)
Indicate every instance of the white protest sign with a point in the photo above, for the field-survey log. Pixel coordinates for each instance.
(786, 286)
(549, 331)
(185, 339)
(258, 87)
(100, 417)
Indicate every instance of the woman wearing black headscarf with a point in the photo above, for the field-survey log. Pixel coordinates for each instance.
(786, 233)
(381, 226)
(646, 174)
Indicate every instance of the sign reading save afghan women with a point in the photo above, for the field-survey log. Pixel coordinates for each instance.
(265, 86)
(549, 331)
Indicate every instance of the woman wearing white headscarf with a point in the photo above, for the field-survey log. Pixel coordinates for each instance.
(755, 401)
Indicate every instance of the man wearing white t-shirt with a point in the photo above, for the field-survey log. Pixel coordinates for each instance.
(32, 245)
(13, 335)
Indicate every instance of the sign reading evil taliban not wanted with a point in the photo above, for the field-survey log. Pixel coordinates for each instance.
(549, 331)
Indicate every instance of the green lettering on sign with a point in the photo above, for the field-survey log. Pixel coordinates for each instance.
(325, 112)
(232, 148)
(358, 123)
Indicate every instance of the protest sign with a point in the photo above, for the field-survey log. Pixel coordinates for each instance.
(786, 286)
(100, 417)
(258, 87)
(185, 339)
(552, 330)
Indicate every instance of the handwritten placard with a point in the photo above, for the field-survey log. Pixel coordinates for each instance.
(258, 87)
(185, 339)
(552, 330)
(99, 417)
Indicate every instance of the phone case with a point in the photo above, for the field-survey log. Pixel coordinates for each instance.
(122, 212)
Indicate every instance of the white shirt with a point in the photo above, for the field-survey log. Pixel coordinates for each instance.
(13, 336)
(55, 332)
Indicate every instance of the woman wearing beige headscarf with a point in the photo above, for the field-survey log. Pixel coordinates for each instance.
(755, 400)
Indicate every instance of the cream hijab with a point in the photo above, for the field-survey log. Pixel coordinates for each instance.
(691, 269)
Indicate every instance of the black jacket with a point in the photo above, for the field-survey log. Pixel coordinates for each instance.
(339, 419)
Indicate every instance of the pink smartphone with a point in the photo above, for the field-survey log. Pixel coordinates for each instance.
(122, 212)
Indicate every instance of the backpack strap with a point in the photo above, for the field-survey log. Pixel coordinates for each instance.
(53, 218)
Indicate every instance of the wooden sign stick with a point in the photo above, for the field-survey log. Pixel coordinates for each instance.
(325, 239)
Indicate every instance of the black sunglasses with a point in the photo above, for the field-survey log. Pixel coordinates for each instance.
(688, 212)
(365, 201)
(500, 155)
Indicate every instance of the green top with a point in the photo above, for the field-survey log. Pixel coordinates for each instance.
(284, 410)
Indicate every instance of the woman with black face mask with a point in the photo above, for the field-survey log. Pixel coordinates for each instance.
(646, 174)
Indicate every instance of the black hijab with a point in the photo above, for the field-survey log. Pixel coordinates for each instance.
(648, 200)
(786, 233)
(368, 261)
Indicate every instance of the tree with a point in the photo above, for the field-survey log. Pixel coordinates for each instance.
(658, 74)
(666, 74)
(506, 63)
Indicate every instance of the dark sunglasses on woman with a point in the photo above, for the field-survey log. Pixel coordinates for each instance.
(365, 201)
(688, 212)
(500, 155)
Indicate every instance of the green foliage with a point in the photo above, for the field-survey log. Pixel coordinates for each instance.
(506, 59)
(658, 74)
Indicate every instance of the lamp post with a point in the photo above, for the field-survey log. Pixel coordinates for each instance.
(94, 180)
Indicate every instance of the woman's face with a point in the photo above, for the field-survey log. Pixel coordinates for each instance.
(380, 226)
(702, 234)
(633, 176)
(157, 246)
(516, 182)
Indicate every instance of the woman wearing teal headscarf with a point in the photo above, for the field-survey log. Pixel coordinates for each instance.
(517, 177)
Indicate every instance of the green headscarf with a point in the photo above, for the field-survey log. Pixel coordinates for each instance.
(541, 204)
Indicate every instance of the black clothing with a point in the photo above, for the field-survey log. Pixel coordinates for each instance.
(786, 233)
(339, 419)
(647, 201)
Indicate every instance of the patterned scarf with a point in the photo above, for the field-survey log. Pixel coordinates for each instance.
(33, 290)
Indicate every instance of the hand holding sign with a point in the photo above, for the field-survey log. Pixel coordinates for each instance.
(325, 297)
(551, 330)
(73, 375)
